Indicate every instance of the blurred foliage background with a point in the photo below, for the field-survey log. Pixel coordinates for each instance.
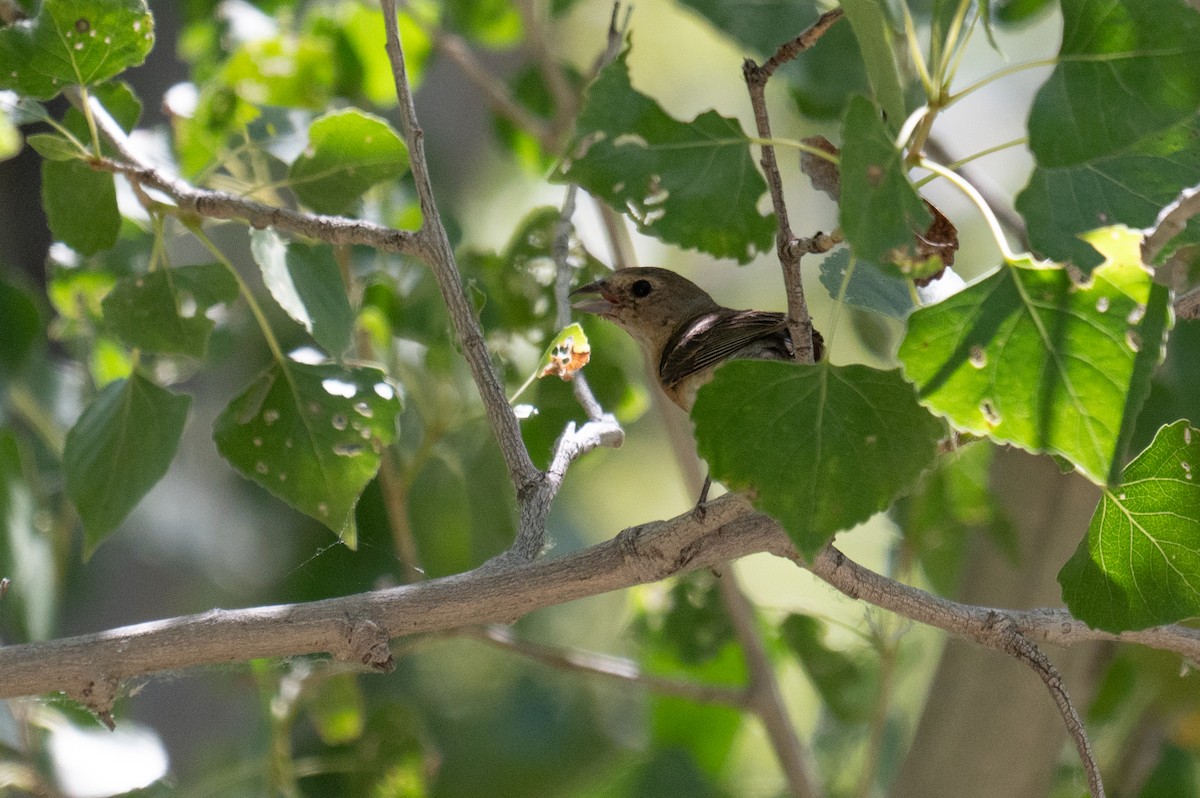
(227, 95)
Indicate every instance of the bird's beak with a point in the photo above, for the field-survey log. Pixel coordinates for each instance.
(601, 301)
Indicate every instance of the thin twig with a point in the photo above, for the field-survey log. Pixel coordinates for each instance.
(799, 321)
(608, 666)
(1188, 305)
(560, 250)
(438, 254)
(766, 699)
(1005, 213)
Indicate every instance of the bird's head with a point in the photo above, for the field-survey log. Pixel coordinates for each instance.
(647, 303)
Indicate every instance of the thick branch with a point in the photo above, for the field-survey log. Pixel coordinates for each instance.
(352, 627)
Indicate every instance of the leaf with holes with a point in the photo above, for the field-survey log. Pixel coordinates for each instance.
(1140, 563)
(73, 42)
(1030, 357)
(694, 183)
(823, 447)
(163, 311)
(118, 449)
(312, 435)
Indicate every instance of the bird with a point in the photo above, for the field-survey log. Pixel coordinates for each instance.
(684, 331)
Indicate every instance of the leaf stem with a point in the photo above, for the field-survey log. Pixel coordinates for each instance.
(988, 215)
(244, 290)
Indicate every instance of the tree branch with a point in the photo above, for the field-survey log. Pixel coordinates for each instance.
(355, 628)
(789, 248)
(1171, 222)
(438, 254)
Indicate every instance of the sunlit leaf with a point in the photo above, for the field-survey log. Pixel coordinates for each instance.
(74, 42)
(164, 310)
(120, 448)
(81, 205)
(694, 184)
(336, 708)
(307, 284)
(1140, 563)
(312, 435)
(1030, 357)
(823, 447)
(567, 353)
(349, 151)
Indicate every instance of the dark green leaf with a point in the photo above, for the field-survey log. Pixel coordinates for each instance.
(953, 504)
(824, 447)
(825, 78)
(847, 684)
(761, 26)
(118, 449)
(872, 28)
(1127, 69)
(1175, 392)
(880, 210)
(692, 184)
(493, 23)
(21, 323)
(1130, 186)
(306, 282)
(349, 151)
(163, 311)
(1017, 12)
(1175, 775)
(1029, 357)
(1140, 563)
(312, 435)
(74, 42)
(81, 205)
(869, 287)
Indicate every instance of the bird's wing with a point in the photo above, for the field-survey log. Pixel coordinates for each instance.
(719, 335)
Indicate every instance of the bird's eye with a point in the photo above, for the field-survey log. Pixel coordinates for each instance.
(641, 288)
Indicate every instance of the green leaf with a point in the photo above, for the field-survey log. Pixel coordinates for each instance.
(1029, 357)
(1017, 12)
(760, 26)
(872, 28)
(349, 151)
(70, 42)
(1175, 392)
(307, 284)
(164, 311)
(1127, 69)
(81, 205)
(692, 184)
(1130, 185)
(54, 147)
(10, 137)
(1140, 563)
(336, 708)
(118, 449)
(493, 23)
(848, 685)
(869, 287)
(312, 435)
(826, 77)
(824, 447)
(289, 70)
(21, 322)
(880, 210)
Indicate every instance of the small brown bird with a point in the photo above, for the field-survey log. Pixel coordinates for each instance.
(683, 330)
